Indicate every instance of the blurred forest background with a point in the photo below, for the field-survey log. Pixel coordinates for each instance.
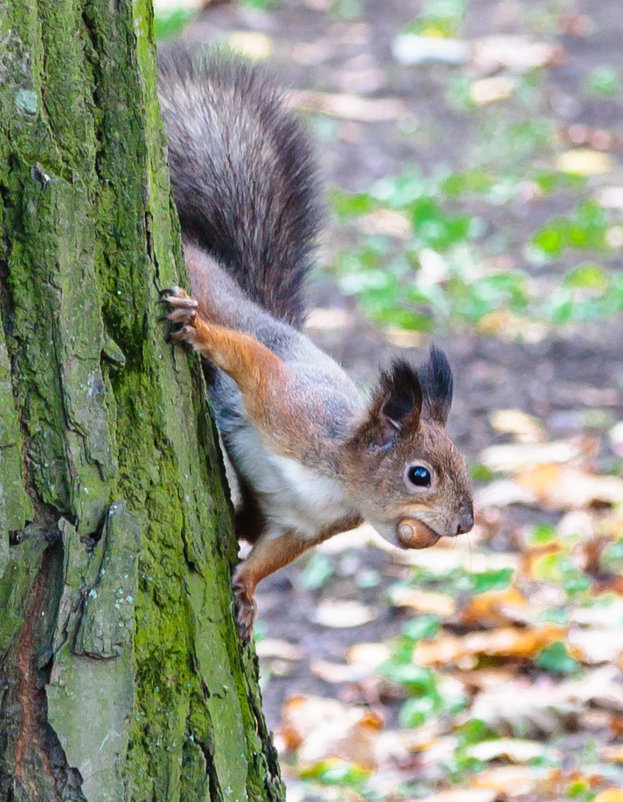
(472, 152)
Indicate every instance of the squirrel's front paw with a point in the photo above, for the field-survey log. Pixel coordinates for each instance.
(246, 610)
(182, 311)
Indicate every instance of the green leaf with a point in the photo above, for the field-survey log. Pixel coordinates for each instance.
(416, 711)
(172, 23)
(425, 626)
(591, 277)
(551, 239)
(336, 772)
(495, 579)
(480, 472)
(401, 190)
(474, 181)
(348, 205)
(556, 659)
(439, 18)
(604, 81)
(416, 678)
(542, 534)
(612, 557)
(264, 4)
(554, 615)
(318, 569)
(347, 9)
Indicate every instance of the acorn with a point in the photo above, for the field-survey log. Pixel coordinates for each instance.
(414, 534)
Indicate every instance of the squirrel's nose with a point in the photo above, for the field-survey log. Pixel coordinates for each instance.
(466, 519)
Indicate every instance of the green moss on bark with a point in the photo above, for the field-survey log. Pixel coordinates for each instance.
(105, 439)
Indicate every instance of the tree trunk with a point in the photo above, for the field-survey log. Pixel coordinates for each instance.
(121, 674)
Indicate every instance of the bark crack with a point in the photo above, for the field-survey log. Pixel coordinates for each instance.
(29, 690)
(39, 755)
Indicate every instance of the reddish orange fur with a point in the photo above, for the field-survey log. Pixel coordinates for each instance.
(254, 368)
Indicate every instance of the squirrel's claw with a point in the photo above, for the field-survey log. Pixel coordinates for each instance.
(184, 334)
(177, 297)
(246, 611)
(181, 313)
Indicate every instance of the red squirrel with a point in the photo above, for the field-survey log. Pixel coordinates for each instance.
(311, 455)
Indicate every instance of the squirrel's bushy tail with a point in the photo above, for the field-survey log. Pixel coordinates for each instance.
(242, 172)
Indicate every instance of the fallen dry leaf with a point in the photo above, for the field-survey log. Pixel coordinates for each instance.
(495, 608)
(612, 753)
(350, 107)
(343, 613)
(513, 52)
(517, 457)
(514, 750)
(328, 319)
(509, 325)
(510, 781)
(489, 90)
(434, 268)
(596, 645)
(601, 689)
(399, 744)
(389, 222)
(251, 44)
(610, 795)
(282, 649)
(336, 673)
(505, 642)
(404, 338)
(473, 795)
(410, 48)
(325, 728)
(583, 161)
(611, 198)
(596, 616)
(564, 487)
(616, 438)
(578, 526)
(423, 601)
(538, 709)
(502, 493)
(370, 655)
(513, 421)
(486, 679)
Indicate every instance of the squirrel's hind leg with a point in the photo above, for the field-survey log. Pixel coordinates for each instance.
(270, 553)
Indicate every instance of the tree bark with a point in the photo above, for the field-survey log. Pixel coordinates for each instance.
(121, 674)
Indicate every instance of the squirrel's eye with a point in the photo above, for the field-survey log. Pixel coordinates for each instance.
(419, 476)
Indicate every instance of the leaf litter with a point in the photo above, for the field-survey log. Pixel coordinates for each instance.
(507, 677)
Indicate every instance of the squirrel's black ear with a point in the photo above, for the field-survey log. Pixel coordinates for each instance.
(436, 383)
(397, 403)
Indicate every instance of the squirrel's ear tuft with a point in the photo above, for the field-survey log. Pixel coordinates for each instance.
(396, 404)
(436, 382)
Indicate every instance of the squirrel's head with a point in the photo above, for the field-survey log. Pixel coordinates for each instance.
(405, 474)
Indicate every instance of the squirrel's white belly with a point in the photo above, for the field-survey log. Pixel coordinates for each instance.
(292, 496)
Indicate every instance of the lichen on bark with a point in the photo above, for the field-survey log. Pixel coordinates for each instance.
(121, 675)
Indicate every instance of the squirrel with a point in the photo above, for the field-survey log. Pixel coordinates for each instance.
(311, 455)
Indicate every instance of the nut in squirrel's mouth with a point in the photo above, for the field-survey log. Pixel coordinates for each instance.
(414, 534)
